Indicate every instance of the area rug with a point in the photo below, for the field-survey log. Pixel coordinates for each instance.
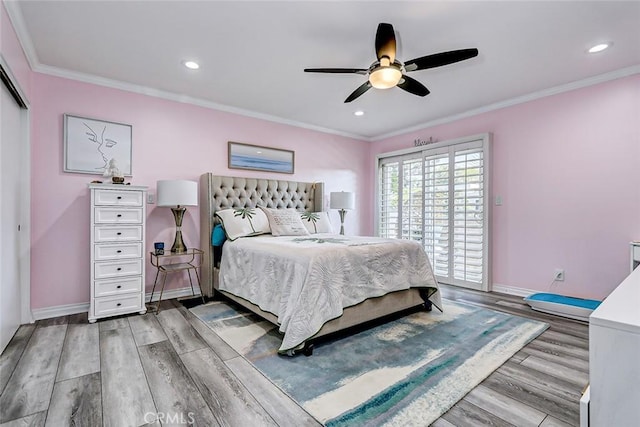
(408, 371)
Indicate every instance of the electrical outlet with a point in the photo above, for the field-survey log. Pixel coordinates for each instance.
(150, 198)
(558, 275)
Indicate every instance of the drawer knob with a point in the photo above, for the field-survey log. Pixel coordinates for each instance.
(119, 251)
(119, 197)
(119, 233)
(118, 304)
(119, 268)
(118, 287)
(119, 215)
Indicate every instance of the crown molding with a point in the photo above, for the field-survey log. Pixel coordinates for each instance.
(171, 96)
(601, 78)
(17, 20)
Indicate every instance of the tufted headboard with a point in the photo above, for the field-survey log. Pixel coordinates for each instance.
(223, 192)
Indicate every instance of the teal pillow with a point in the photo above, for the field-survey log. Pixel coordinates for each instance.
(218, 235)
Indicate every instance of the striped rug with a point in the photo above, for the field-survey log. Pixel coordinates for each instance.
(406, 372)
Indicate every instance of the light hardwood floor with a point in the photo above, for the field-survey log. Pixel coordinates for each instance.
(172, 369)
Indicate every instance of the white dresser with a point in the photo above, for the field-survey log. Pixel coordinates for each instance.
(635, 254)
(614, 358)
(117, 247)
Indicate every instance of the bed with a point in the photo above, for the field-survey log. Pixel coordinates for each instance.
(309, 285)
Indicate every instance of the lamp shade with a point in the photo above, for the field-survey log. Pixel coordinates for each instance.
(342, 200)
(177, 193)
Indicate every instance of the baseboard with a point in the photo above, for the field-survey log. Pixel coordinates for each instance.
(511, 290)
(59, 310)
(65, 310)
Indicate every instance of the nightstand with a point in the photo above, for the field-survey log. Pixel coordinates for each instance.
(172, 262)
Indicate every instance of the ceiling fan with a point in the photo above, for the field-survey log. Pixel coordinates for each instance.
(388, 72)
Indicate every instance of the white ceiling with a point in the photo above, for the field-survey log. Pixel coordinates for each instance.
(252, 54)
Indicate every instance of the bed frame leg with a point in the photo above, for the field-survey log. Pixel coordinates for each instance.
(307, 350)
(428, 306)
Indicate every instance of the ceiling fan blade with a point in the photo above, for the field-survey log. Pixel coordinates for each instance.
(440, 59)
(336, 70)
(356, 93)
(386, 42)
(413, 86)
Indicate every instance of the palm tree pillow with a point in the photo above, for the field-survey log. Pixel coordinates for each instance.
(242, 222)
(316, 222)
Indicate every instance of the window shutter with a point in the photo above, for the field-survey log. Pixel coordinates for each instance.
(468, 218)
(438, 195)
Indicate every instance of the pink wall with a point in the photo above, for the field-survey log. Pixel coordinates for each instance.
(567, 168)
(170, 140)
(13, 53)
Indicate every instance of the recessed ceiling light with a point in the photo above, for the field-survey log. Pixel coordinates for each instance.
(599, 47)
(191, 65)
(358, 113)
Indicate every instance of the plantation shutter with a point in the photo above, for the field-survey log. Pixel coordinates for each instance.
(468, 218)
(437, 195)
(388, 213)
(436, 207)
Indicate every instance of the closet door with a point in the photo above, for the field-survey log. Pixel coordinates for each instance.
(10, 175)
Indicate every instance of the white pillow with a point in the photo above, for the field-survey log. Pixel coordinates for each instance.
(285, 222)
(242, 222)
(316, 222)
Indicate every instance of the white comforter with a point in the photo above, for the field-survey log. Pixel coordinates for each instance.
(307, 280)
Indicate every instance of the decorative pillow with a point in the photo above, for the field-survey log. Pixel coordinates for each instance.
(285, 222)
(316, 222)
(217, 235)
(242, 222)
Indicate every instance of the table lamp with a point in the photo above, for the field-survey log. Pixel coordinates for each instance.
(178, 194)
(342, 201)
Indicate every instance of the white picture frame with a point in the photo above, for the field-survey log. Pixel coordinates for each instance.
(89, 145)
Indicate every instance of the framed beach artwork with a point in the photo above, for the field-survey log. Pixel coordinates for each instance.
(255, 157)
(90, 144)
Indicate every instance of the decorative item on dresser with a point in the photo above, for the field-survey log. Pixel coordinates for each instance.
(117, 245)
(342, 201)
(178, 194)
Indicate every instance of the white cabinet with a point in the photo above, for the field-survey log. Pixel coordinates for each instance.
(614, 357)
(117, 247)
(635, 255)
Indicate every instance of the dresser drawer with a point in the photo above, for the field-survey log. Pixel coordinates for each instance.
(117, 251)
(123, 233)
(111, 306)
(105, 288)
(106, 270)
(118, 198)
(636, 252)
(116, 215)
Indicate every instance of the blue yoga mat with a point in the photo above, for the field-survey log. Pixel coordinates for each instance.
(561, 299)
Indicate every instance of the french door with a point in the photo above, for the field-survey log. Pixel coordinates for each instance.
(438, 195)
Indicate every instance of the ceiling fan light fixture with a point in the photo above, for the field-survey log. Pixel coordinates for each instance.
(385, 77)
